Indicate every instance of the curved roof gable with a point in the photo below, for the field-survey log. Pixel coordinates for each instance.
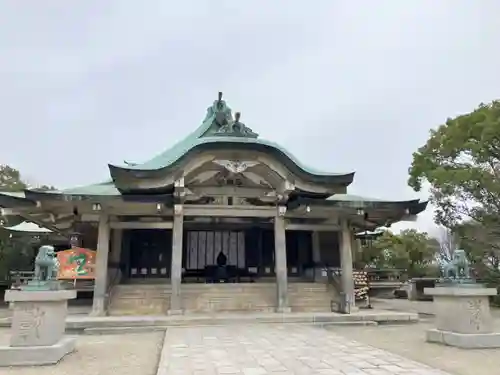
(219, 129)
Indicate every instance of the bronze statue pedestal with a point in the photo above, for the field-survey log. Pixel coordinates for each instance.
(463, 317)
(38, 327)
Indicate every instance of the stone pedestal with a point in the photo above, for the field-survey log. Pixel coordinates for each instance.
(463, 316)
(38, 325)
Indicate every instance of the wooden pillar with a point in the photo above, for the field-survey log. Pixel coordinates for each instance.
(117, 241)
(355, 249)
(317, 271)
(346, 263)
(316, 251)
(176, 266)
(101, 267)
(280, 265)
(115, 272)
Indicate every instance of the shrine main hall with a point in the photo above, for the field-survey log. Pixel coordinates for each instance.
(160, 227)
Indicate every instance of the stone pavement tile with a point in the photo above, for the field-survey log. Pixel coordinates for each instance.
(254, 371)
(276, 349)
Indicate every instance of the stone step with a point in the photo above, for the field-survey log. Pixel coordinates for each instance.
(79, 323)
(122, 330)
(132, 311)
(148, 299)
(122, 303)
(351, 323)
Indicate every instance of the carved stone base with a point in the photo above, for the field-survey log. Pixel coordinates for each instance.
(464, 340)
(36, 355)
(39, 317)
(38, 326)
(463, 317)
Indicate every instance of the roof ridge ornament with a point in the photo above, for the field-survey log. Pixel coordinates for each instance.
(236, 129)
(220, 112)
(223, 123)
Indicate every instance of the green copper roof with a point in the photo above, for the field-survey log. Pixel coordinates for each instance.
(101, 189)
(13, 199)
(104, 189)
(14, 194)
(415, 206)
(218, 127)
(352, 198)
(356, 201)
(28, 227)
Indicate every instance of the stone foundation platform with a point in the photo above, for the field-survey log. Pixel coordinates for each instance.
(464, 340)
(36, 355)
(79, 323)
(463, 317)
(38, 325)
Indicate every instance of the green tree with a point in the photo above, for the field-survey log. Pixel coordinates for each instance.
(10, 179)
(15, 253)
(475, 240)
(461, 162)
(371, 256)
(409, 250)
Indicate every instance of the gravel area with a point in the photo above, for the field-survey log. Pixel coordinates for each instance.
(409, 341)
(130, 354)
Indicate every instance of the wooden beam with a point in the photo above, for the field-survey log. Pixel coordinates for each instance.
(141, 225)
(234, 191)
(313, 227)
(314, 214)
(229, 211)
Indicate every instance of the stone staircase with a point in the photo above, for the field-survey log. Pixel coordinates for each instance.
(139, 299)
(154, 299)
(310, 297)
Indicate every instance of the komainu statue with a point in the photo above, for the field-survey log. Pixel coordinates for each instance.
(457, 268)
(46, 264)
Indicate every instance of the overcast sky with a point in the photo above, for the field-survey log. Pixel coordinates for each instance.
(344, 85)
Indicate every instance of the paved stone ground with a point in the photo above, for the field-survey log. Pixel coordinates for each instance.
(131, 354)
(274, 350)
(408, 341)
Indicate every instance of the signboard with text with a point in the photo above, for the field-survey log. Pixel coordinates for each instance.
(76, 263)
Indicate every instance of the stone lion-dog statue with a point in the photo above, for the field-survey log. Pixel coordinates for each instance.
(46, 264)
(458, 267)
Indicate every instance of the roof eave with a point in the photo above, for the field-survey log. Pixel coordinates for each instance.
(61, 196)
(418, 208)
(41, 196)
(415, 206)
(123, 175)
(9, 201)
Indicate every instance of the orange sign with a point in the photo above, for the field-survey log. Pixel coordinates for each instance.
(76, 263)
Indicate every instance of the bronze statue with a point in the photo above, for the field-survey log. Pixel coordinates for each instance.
(236, 129)
(222, 117)
(46, 264)
(457, 269)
